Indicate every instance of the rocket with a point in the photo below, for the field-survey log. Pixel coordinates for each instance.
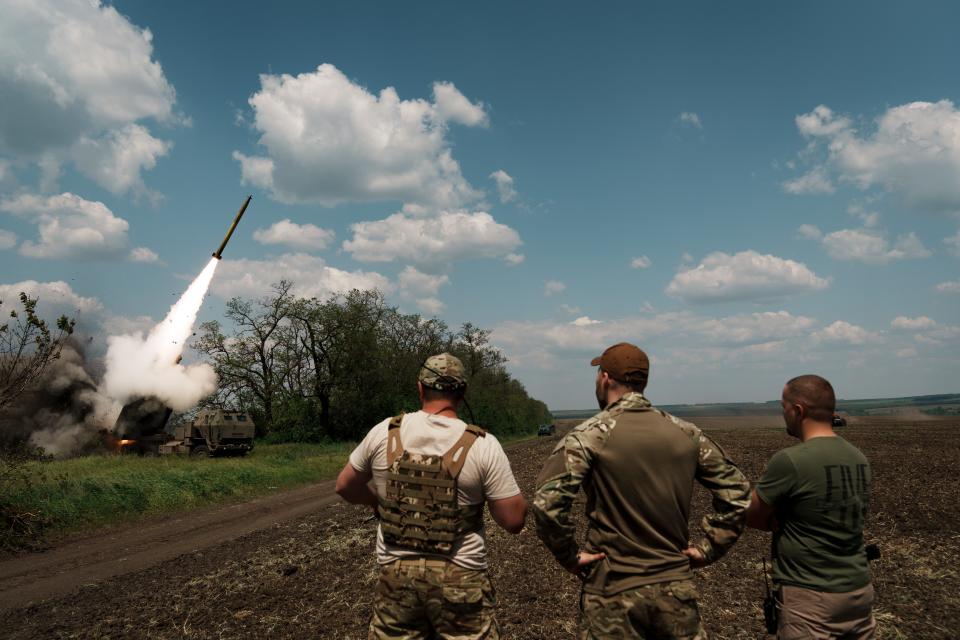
(236, 221)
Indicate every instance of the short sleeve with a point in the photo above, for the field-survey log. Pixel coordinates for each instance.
(362, 458)
(498, 480)
(779, 480)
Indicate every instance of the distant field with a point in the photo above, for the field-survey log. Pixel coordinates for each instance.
(909, 406)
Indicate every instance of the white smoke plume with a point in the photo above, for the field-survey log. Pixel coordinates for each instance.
(139, 367)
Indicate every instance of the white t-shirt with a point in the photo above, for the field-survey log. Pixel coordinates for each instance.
(486, 475)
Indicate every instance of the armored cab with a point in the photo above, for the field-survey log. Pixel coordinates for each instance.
(213, 432)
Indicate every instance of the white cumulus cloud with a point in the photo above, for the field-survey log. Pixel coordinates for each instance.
(871, 247)
(69, 227)
(144, 254)
(54, 298)
(842, 332)
(310, 275)
(76, 79)
(810, 232)
(953, 243)
(702, 337)
(743, 276)
(584, 321)
(691, 119)
(116, 160)
(913, 151)
(505, 188)
(305, 237)
(422, 289)
(640, 262)
(514, 259)
(452, 106)
(951, 286)
(814, 181)
(551, 287)
(919, 323)
(440, 239)
(328, 140)
(8, 239)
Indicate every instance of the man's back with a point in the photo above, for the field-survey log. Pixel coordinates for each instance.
(820, 489)
(486, 475)
(637, 467)
(638, 500)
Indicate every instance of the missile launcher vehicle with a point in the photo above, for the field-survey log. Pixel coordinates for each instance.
(214, 432)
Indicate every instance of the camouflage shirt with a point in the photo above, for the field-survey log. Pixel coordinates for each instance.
(636, 465)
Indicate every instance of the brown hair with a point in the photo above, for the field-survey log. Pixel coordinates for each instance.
(815, 394)
(632, 386)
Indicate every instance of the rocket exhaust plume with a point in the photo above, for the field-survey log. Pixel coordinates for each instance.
(139, 366)
(66, 412)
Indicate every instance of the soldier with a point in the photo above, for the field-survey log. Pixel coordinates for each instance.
(433, 473)
(814, 497)
(636, 465)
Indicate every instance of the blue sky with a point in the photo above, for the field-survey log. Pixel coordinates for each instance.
(749, 191)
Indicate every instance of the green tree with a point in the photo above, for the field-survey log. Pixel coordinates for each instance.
(27, 347)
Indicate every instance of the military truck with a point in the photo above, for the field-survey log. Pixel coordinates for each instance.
(213, 432)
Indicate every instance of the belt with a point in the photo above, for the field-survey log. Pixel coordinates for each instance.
(421, 562)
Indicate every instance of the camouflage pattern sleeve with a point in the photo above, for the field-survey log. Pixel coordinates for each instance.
(731, 497)
(557, 486)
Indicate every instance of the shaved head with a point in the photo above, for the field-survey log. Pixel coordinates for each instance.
(815, 394)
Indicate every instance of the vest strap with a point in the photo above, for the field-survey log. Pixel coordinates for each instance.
(454, 459)
(394, 445)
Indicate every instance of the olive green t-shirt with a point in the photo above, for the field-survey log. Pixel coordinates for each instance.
(820, 490)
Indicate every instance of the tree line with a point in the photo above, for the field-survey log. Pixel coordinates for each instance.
(314, 370)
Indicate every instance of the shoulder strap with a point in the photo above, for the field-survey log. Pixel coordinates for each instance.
(394, 446)
(454, 459)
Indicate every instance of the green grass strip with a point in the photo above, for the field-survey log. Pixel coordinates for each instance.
(92, 491)
(105, 489)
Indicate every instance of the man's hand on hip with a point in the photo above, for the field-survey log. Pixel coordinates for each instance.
(583, 561)
(697, 559)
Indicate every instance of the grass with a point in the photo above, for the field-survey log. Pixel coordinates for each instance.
(78, 493)
(53, 498)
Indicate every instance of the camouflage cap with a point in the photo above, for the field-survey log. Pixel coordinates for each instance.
(444, 372)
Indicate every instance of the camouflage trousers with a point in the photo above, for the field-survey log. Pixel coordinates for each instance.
(430, 599)
(664, 611)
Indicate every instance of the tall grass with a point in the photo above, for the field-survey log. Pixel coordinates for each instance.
(67, 495)
(43, 499)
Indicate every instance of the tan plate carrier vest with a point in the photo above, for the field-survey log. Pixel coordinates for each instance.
(420, 510)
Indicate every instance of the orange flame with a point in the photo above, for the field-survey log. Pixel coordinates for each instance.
(123, 443)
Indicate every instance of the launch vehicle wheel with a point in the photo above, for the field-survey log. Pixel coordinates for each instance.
(200, 452)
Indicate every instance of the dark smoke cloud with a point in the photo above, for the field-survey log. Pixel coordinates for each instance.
(64, 413)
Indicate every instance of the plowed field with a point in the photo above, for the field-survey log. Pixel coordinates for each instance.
(313, 576)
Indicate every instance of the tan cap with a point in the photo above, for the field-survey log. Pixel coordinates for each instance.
(624, 362)
(444, 372)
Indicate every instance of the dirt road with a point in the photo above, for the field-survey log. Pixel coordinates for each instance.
(313, 575)
(87, 560)
(94, 558)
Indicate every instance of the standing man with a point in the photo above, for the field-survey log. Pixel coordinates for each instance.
(637, 465)
(433, 473)
(814, 496)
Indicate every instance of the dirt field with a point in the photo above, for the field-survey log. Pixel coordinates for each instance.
(312, 576)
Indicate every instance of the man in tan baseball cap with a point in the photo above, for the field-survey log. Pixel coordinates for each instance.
(636, 562)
